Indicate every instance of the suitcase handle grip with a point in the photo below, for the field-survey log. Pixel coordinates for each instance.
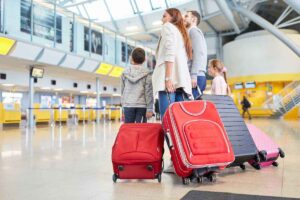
(168, 139)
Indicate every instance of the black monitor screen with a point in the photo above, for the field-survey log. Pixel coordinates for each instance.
(37, 72)
(238, 86)
(250, 85)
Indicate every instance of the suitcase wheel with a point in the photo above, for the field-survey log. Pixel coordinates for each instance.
(281, 153)
(115, 177)
(256, 166)
(243, 167)
(275, 164)
(200, 179)
(159, 178)
(186, 181)
(263, 155)
(257, 159)
(212, 178)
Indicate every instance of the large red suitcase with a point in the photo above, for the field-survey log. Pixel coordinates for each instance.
(137, 152)
(197, 140)
(269, 151)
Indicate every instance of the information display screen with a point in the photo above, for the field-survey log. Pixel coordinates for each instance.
(37, 72)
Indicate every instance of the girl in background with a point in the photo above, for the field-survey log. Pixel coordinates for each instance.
(219, 84)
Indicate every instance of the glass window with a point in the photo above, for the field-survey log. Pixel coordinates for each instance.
(120, 9)
(96, 10)
(143, 5)
(158, 4)
(176, 2)
(43, 21)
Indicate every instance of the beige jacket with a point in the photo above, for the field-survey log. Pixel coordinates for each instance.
(171, 48)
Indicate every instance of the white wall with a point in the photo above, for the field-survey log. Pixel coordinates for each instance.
(261, 54)
(22, 79)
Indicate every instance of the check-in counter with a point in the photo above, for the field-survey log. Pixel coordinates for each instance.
(60, 114)
(10, 113)
(115, 113)
(81, 113)
(41, 115)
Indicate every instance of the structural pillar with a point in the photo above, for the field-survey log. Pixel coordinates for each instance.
(31, 96)
(98, 100)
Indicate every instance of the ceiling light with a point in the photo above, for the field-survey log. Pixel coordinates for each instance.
(58, 89)
(116, 95)
(45, 88)
(157, 23)
(8, 84)
(131, 28)
(83, 92)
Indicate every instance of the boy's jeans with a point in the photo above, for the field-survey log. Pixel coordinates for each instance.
(135, 115)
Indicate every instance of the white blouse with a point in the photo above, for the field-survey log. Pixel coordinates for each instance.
(171, 48)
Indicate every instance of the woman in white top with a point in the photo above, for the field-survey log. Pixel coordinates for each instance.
(219, 84)
(171, 73)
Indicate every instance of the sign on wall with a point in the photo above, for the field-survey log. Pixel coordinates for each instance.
(96, 41)
(43, 21)
(129, 50)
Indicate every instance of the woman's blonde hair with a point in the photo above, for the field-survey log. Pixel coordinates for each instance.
(219, 66)
(216, 64)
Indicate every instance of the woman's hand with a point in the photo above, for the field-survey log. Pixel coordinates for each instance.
(169, 86)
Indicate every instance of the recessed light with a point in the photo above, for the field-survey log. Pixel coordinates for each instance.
(45, 88)
(157, 23)
(8, 84)
(131, 28)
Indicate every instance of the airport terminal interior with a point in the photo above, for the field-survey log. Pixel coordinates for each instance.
(61, 63)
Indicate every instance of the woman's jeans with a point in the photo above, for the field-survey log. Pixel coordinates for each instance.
(164, 100)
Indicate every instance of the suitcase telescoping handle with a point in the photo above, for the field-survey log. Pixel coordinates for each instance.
(169, 139)
(184, 96)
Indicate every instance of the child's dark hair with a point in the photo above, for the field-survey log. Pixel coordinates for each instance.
(138, 55)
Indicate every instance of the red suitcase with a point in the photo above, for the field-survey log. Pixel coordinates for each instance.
(268, 149)
(197, 140)
(137, 152)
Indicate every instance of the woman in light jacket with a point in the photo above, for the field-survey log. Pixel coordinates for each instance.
(171, 73)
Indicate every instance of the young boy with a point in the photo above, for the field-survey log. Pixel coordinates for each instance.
(136, 89)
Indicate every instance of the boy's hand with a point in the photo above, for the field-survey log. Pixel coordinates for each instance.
(149, 115)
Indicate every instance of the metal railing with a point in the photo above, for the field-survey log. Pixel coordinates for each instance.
(73, 116)
(285, 100)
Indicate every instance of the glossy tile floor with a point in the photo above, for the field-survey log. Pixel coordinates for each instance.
(73, 162)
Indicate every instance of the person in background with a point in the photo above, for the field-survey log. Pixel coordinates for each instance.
(219, 85)
(245, 106)
(136, 89)
(197, 65)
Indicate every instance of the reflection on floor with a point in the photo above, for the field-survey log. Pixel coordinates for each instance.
(74, 163)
